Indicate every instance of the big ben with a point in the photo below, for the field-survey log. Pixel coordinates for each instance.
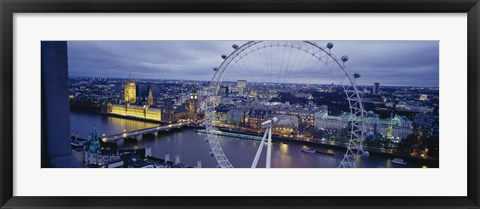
(130, 92)
(193, 104)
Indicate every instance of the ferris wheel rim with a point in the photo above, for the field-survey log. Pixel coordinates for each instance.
(355, 146)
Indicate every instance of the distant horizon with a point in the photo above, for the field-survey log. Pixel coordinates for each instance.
(135, 79)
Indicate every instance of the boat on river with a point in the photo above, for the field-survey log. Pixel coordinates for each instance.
(399, 161)
(309, 150)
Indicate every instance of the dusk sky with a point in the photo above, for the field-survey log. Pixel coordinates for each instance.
(412, 63)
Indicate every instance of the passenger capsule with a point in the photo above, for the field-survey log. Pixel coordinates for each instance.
(356, 75)
(224, 56)
(329, 45)
(235, 46)
(215, 69)
(366, 154)
(370, 113)
(344, 58)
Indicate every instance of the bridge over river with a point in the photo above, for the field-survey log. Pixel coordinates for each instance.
(139, 133)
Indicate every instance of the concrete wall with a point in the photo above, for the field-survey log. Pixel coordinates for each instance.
(56, 151)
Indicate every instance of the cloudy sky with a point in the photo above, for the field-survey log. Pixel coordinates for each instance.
(411, 63)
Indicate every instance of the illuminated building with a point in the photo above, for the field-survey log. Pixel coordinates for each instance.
(143, 112)
(396, 128)
(193, 104)
(305, 117)
(241, 86)
(324, 121)
(390, 131)
(168, 115)
(254, 118)
(423, 97)
(130, 92)
(221, 115)
(150, 97)
(286, 126)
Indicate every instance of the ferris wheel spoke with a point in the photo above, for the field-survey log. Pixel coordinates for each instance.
(284, 64)
(234, 69)
(294, 61)
(287, 65)
(317, 71)
(313, 67)
(301, 70)
(247, 69)
(309, 68)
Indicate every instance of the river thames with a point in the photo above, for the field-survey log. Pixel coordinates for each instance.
(191, 146)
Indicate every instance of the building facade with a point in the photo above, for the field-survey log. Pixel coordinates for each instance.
(235, 116)
(193, 105)
(130, 93)
(376, 88)
(395, 129)
(98, 159)
(143, 112)
(241, 86)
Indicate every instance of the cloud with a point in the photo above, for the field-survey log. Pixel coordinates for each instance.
(388, 62)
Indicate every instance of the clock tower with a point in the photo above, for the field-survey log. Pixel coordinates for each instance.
(193, 104)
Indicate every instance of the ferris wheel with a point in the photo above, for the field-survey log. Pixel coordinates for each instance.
(257, 69)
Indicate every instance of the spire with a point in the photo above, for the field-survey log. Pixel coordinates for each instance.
(94, 129)
(94, 142)
(150, 97)
(130, 79)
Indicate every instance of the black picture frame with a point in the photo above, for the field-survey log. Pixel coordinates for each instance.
(10, 7)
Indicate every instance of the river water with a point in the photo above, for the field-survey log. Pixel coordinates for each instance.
(191, 146)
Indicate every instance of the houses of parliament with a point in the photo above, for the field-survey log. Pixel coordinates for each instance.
(132, 108)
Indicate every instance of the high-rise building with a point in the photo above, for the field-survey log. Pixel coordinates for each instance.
(193, 104)
(241, 86)
(376, 88)
(223, 91)
(150, 97)
(142, 90)
(130, 92)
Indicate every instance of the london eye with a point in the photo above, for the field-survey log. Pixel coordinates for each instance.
(260, 67)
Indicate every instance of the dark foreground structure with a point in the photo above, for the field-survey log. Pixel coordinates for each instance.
(55, 119)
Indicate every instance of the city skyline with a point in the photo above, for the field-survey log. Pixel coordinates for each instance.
(392, 63)
(113, 123)
(312, 115)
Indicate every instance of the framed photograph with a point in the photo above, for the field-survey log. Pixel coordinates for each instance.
(266, 104)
